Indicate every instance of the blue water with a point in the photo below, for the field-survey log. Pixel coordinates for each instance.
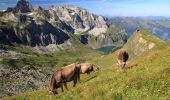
(106, 49)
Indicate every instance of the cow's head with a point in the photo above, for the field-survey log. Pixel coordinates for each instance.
(95, 67)
(49, 90)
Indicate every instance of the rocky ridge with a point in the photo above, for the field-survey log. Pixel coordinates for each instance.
(140, 42)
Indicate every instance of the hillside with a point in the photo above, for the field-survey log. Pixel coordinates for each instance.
(26, 69)
(145, 77)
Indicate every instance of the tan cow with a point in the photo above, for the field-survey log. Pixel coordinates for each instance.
(64, 75)
(88, 68)
(122, 57)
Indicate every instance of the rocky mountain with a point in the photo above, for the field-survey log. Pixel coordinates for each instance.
(19, 26)
(112, 35)
(23, 6)
(80, 19)
(26, 25)
(158, 26)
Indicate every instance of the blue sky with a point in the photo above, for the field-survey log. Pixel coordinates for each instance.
(108, 7)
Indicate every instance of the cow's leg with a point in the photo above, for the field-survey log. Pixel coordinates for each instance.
(119, 64)
(75, 81)
(61, 85)
(123, 65)
(65, 84)
(88, 71)
(78, 78)
(55, 91)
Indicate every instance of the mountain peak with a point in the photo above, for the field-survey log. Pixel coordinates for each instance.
(24, 6)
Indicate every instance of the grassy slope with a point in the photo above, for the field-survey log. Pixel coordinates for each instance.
(44, 64)
(133, 44)
(146, 78)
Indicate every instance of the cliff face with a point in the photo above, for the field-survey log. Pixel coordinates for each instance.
(31, 33)
(81, 20)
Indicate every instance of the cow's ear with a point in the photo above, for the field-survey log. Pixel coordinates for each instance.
(77, 62)
(93, 65)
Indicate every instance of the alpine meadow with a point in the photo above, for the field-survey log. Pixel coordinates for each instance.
(84, 50)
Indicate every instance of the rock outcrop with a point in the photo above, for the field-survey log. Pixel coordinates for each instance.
(140, 42)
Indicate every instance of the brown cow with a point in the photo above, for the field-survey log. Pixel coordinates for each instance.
(122, 57)
(64, 75)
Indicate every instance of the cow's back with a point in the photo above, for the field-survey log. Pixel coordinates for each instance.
(125, 56)
(122, 56)
(85, 67)
(68, 72)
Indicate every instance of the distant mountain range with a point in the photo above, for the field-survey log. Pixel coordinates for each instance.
(159, 26)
